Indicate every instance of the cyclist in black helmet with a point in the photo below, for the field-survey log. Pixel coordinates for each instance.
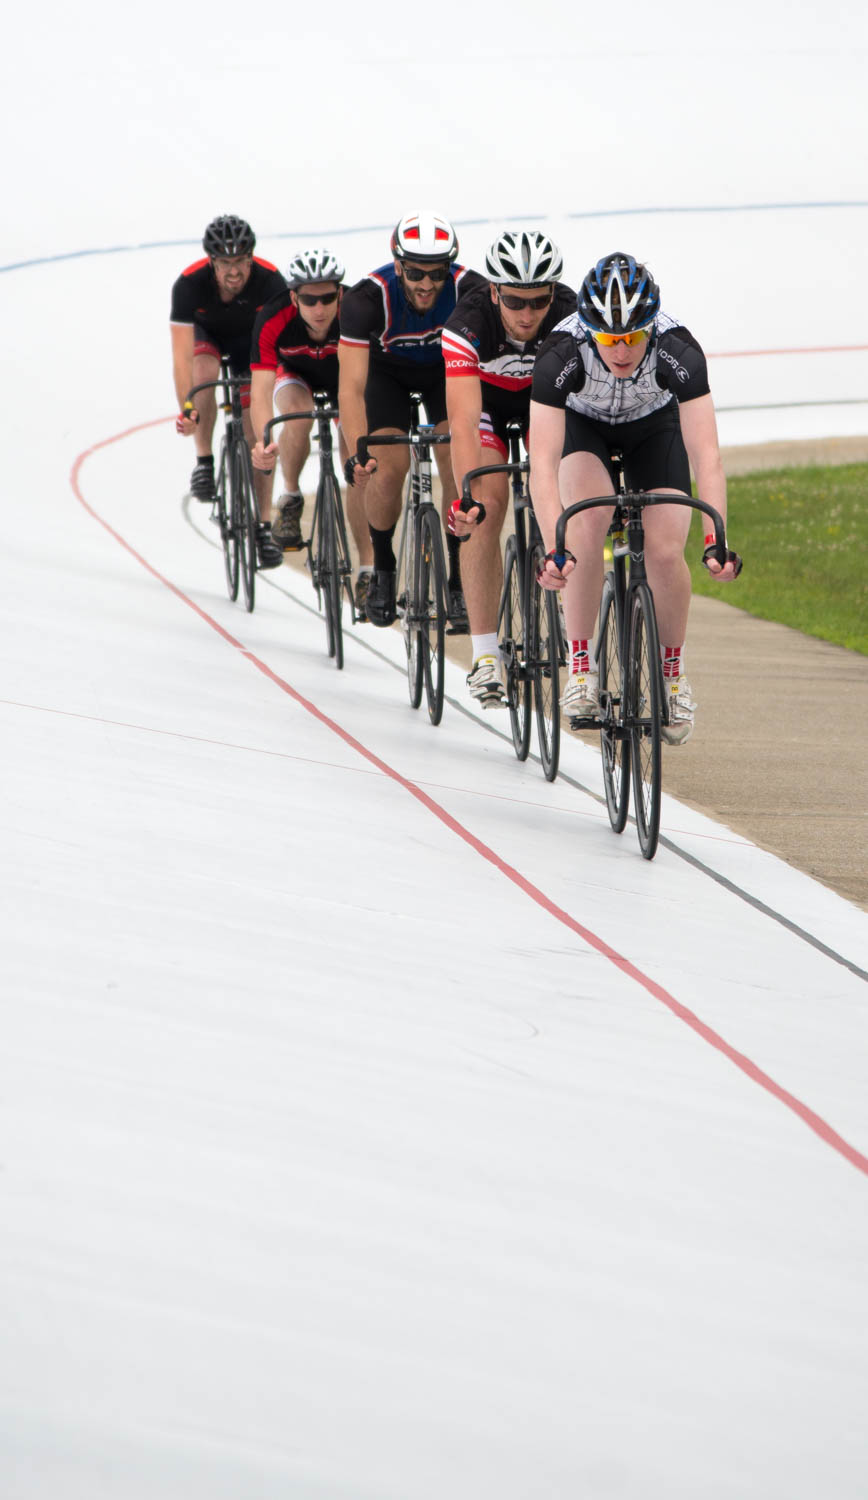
(214, 306)
(621, 375)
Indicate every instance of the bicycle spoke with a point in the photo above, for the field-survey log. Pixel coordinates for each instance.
(614, 739)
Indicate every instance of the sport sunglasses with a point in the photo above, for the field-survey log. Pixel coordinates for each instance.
(418, 273)
(515, 304)
(310, 299)
(636, 337)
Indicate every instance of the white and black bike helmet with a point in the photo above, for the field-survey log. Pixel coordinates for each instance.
(316, 264)
(523, 258)
(424, 236)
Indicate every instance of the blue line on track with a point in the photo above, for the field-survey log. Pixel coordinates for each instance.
(327, 234)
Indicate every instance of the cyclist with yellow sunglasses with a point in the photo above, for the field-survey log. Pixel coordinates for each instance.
(622, 376)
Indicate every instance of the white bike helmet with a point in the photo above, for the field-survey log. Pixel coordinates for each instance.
(528, 258)
(314, 265)
(424, 236)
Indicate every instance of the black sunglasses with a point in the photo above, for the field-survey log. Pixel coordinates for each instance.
(310, 299)
(515, 304)
(418, 273)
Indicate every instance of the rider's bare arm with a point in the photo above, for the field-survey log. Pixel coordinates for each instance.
(353, 360)
(182, 360)
(699, 430)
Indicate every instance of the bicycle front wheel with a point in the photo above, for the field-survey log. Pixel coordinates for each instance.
(432, 610)
(228, 535)
(544, 664)
(643, 715)
(511, 639)
(614, 737)
(408, 612)
(244, 519)
(329, 570)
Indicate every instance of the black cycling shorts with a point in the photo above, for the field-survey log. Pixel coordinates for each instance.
(652, 447)
(387, 393)
(238, 349)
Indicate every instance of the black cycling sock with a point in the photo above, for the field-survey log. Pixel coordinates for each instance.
(207, 462)
(384, 556)
(453, 550)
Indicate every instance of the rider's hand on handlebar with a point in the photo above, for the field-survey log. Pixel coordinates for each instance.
(555, 570)
(188, 419)
(462, 523)
(731, 568)
(263, 457)
(359, 474)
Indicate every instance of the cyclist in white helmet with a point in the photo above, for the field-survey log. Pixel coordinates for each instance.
(490, 345)
(391, 322)
(294, 353)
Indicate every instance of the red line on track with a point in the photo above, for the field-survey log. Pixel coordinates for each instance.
(821, 1128)
(827, 349)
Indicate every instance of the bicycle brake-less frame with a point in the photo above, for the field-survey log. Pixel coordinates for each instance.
(633, 702)
(328, 553)
(528, 623)
(421, 563)
(236, 506)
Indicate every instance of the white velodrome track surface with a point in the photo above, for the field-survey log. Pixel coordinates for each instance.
(375, 1122)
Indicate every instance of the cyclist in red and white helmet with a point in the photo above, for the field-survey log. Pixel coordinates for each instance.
(490, 345)
(391, 323)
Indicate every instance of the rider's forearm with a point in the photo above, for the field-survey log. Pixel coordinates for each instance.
(261, 407)
(711, 482)
(353, 417)
(546, 500)
(182, 372)
(466, 452)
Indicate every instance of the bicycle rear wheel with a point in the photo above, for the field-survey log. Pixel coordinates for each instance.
(228, 539)
(643, 710)
(329, 569)
(244, 519)
(511, 639)
(432, 610)
(544, 666)
(614, 738)
(407, 585)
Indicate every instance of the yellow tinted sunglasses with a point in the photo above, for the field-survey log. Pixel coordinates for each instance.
(608, 339)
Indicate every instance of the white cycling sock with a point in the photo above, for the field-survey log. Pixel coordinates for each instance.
(485, 645)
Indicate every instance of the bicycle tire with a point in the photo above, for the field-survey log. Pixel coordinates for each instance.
(511, 639)
(644, 709)
(244, 520)
(329, 571)
(407, 605)
(432, 611)
(614, 738)
(544, 653)
(228, 536)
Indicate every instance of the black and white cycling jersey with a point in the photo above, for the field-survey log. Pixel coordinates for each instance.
(570, 373)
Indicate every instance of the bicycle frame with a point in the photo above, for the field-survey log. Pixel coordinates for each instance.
(633, 702)
(422, 603)
(237, 532)
(327, 547)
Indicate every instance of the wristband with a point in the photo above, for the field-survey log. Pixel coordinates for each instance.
(710, 539)
(349, 469)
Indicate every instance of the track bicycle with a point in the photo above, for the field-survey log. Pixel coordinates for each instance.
(236, 508)
(328, 553)
(421, 580)
(633, 701)
(528, 625)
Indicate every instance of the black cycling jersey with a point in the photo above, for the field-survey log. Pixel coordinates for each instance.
(283, 341)
(570, 373)
(196, 300)
(475, 342)
(375, 314)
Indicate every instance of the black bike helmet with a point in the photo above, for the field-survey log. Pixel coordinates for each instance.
(618, 295)
(228, 235)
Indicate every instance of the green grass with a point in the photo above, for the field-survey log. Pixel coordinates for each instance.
(803, 534)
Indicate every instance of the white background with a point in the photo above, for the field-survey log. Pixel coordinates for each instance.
(333, 1163)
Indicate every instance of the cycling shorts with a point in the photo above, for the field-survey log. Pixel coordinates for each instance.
(387, 394)
(238, 351)
(652, 447)
(285, 376)
(492, 432)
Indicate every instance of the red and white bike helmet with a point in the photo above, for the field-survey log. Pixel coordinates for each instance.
(424, 236)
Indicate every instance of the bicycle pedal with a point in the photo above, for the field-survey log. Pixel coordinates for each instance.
(461, 627)
(588, 722)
